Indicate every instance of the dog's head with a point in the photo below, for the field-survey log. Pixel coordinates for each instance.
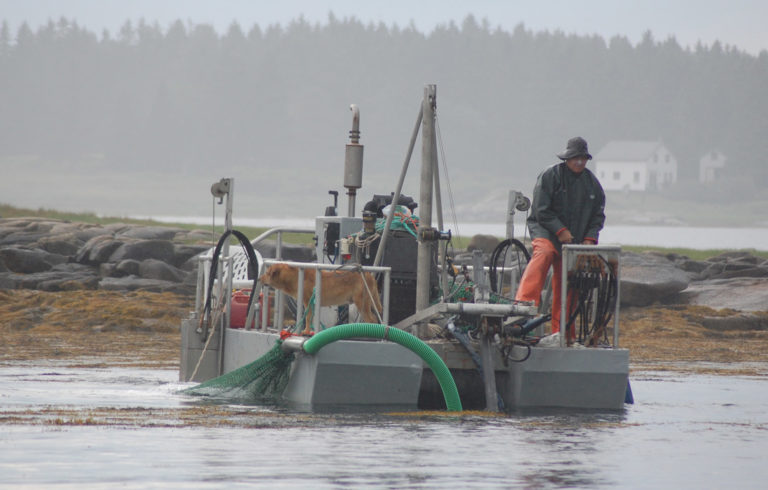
(275, 275)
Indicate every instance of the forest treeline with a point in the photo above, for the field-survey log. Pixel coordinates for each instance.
(183, 97)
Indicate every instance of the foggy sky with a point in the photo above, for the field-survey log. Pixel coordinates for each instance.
(142, 194)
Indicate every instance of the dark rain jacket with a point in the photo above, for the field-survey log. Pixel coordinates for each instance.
(564, 199)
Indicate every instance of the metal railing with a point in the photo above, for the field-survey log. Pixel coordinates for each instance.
(226, 269)
(304, 266)
(241, 281)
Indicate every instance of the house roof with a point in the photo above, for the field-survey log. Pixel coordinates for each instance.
(627, 151)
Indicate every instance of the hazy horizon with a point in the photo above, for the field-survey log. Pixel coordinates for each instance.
(94, 183)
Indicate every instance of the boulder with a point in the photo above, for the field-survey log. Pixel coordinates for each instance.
(694, 268)
(142, 250)
(64, 244)
(182, 253)
(484, 243)
(61, 277)
(149, 232)
(745, 294)
(107, 269)
(97, 250)
(22, 237)
(26, 261)
(87, 232)
(156, 269)
(648, 278)
(736, 256)
(742, 321)
(127, 267)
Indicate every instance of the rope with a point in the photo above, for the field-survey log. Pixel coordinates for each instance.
(447, 177)
(216, 320)
(359, 268)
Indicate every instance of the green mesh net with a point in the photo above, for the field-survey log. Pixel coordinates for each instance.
(400, 221)
(263, 379)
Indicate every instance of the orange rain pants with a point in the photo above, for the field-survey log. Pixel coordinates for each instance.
(545, 255)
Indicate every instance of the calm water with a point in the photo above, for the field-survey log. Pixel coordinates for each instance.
(685, 431)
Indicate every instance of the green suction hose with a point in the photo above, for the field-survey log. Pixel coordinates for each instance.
(414, 344)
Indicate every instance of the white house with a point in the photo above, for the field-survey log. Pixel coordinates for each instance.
(711, 166)
(635, 166)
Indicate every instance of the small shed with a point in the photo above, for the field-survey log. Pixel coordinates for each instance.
(711, 167)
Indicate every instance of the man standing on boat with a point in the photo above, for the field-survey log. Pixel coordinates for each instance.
(568, 207)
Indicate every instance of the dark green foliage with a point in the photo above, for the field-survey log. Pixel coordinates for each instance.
(183, 97)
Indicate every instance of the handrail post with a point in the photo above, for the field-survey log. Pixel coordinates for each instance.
(300, 297)
(318, 301)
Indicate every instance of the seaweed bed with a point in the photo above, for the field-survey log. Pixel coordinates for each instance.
(141, 329)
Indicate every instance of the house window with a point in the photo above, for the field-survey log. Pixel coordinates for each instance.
(655, 158)
(616, 175)
(636, 177)
(666, 158)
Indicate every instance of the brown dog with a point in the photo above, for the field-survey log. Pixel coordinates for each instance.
(337, 288)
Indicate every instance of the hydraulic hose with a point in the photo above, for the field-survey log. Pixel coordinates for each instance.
(414, 344)
(253, 263)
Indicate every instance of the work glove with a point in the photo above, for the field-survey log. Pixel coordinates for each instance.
(564, 236)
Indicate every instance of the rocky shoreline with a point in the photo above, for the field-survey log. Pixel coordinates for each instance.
(55, 255)
(120, 291)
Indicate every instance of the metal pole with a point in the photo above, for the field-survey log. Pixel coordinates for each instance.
(618, 300)
(511, 203)
(396, 197)
(385, 295)
(489, 373)
(425, 196)
(565, 257)
(230, 185)
(279, 315)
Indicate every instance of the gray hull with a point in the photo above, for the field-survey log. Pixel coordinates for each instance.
(362, 374)
(344, 374)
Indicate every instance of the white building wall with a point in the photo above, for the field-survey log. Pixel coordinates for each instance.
(663, 166)
(710, 167)
(618, 176)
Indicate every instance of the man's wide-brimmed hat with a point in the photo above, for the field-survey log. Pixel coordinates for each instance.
(577, 147)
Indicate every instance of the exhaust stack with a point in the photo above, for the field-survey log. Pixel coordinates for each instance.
(353, 161)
